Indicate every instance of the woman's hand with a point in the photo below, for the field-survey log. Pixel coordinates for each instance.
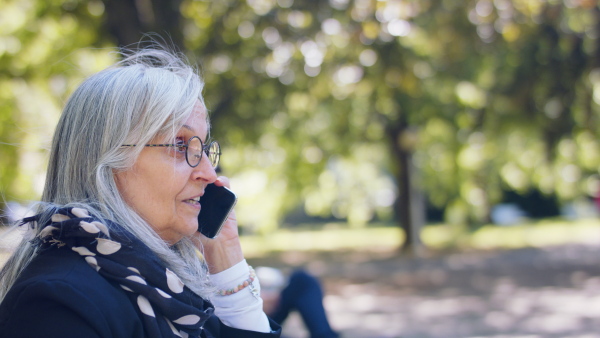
(225, 250)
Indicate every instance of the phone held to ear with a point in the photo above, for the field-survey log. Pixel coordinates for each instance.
(216, 204)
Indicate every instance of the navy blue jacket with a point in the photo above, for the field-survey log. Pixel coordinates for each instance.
(60, 295)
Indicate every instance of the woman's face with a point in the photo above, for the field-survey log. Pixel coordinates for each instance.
(161, 186)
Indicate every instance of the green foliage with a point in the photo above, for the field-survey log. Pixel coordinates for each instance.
(45, 50)
(496, 94)
(310, 98)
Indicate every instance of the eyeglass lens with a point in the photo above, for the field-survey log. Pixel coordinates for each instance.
(194, 152)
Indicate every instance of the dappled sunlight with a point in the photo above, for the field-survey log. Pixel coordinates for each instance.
(553, 291)
(550, 292)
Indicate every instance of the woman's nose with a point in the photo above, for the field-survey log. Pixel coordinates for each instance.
(204, 171)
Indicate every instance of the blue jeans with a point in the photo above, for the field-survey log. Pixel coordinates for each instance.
(304, 294)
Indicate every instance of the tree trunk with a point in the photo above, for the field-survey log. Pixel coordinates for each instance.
(128, 20)
(409, 206)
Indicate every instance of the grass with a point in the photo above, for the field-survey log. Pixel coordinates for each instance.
(331, 238)
(337, 237)
(542, 233)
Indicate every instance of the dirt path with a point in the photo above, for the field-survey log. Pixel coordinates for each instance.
(549, 292)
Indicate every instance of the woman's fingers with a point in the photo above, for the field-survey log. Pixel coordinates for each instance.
(222, 181)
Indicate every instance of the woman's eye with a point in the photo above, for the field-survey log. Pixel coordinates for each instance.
(180, 146)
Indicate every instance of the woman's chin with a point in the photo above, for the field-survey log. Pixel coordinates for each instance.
(190, 230)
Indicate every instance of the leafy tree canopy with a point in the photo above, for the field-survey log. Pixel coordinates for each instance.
(327, 104)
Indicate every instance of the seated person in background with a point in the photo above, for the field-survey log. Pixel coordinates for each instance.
(300, 292)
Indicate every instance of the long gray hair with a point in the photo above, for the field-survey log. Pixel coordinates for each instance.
(150, 92)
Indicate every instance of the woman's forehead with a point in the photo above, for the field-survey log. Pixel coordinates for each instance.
(198, 120)
(197, 124)
(202, 113)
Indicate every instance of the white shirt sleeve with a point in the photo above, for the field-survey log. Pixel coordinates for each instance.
(243, 309)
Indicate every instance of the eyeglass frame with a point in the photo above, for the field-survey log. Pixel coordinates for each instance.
(205, 149)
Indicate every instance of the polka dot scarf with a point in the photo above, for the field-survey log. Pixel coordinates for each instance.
(167, 307)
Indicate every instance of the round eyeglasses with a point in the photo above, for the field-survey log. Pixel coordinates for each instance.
(193, 150)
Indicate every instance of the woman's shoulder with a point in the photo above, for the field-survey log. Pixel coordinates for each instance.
(65, 266)
(59, 286)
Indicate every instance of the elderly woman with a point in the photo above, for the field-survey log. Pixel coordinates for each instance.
(112, 251)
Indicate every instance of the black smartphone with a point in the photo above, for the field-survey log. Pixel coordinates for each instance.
(216, 204)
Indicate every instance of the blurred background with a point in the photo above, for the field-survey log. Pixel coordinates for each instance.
(434, 163)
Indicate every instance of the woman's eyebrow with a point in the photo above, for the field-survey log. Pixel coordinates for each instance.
(187, 127)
